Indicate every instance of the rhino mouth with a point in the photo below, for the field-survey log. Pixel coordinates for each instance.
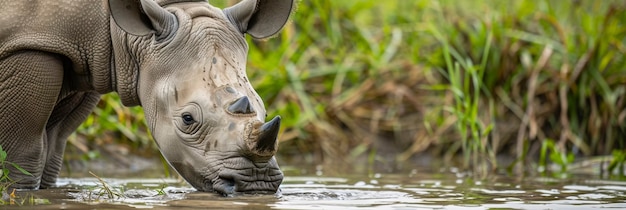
(242, 176)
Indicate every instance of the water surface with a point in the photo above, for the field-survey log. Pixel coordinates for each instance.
(443, 190)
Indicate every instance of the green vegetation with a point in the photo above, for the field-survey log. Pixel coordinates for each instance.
(556, 155)
(465, 85)
(618, 163)
(11, 198)
(5, 180)
(540, 81)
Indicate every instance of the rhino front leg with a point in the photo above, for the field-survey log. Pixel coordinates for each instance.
(30, 83)
(71, 110)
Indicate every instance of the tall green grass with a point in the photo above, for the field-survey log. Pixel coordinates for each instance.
(466, 85)
(380, 83)
(558, 67)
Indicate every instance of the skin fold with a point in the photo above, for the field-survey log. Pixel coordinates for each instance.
(184, 62)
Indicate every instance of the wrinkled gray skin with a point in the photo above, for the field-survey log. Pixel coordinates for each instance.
(183, 62)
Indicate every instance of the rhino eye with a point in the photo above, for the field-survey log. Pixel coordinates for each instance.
(187, 118)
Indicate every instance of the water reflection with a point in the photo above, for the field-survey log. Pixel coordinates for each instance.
(378, 191)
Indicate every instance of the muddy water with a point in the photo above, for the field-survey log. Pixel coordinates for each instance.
(413, 190)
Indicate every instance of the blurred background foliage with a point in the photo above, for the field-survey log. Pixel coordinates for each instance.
(391, 83)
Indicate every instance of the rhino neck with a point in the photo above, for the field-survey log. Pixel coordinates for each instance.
(124, 66)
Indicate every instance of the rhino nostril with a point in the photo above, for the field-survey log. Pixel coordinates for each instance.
(241, 106)
(227, 185)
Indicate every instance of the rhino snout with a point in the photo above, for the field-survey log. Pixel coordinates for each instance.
(256, 171)
(262, 178)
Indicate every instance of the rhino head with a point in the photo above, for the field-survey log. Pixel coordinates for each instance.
(185, 64)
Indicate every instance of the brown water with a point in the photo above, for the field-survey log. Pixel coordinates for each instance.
(447, 189)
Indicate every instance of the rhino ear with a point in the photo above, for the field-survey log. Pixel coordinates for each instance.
(260, 18)
(142, 17)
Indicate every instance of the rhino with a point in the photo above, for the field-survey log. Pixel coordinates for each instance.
(182, 61)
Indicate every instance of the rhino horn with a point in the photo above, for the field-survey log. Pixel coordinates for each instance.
(241, 106)
(268, 134)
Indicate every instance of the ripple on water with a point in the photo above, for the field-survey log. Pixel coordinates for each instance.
(366, 192)
(293, 194)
